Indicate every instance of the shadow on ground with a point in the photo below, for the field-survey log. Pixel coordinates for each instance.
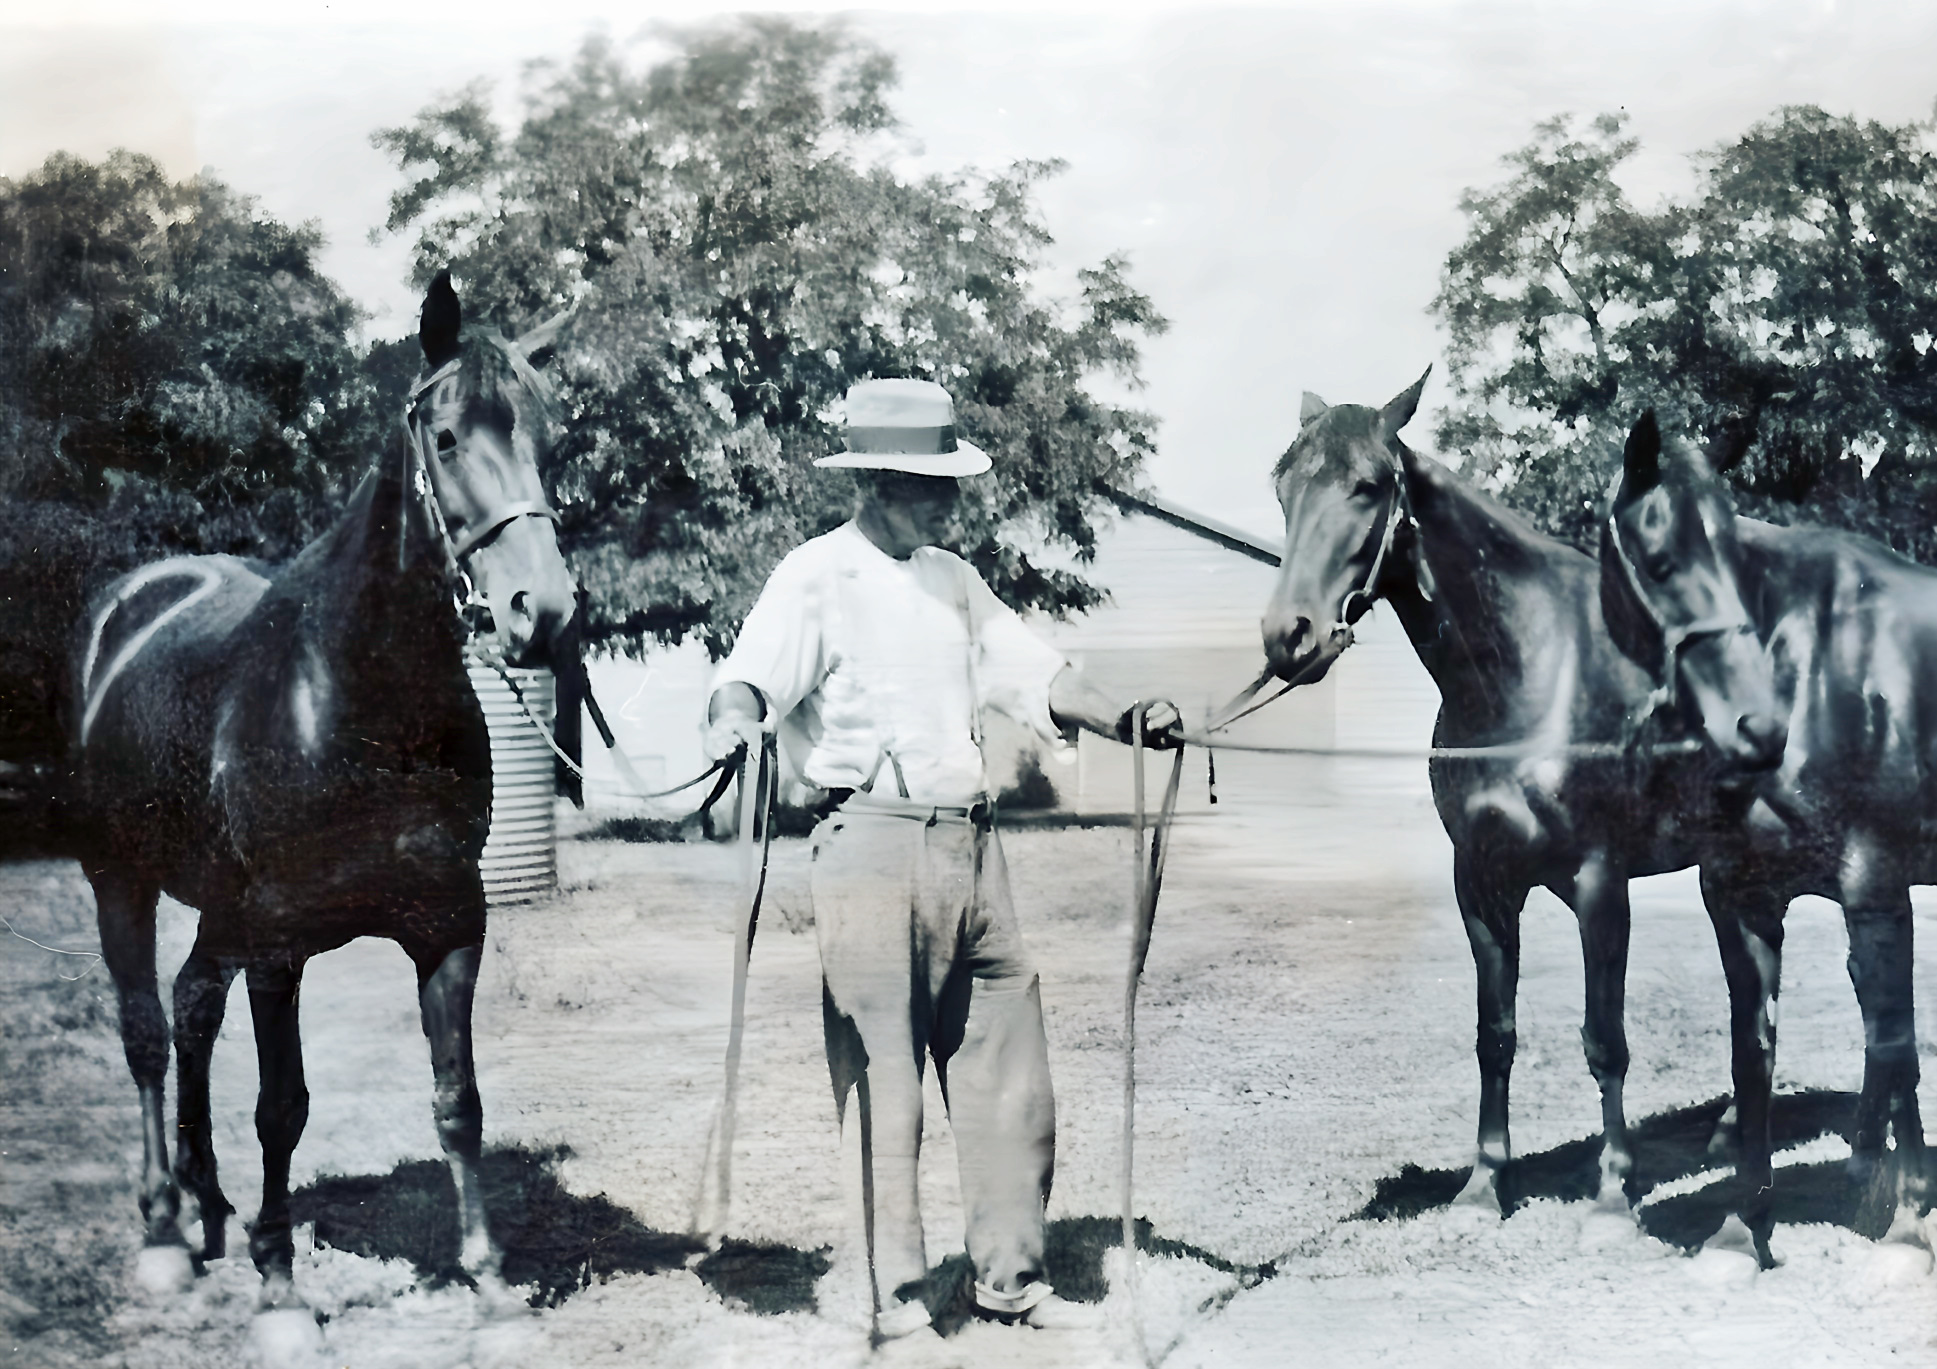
(558, 1241)
(1073, 1261)
(1675, 1145)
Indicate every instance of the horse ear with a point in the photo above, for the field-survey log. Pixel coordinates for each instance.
(1641, 457)
(1310, 407)
(537, 345)
(437, 326)
(1399, 412)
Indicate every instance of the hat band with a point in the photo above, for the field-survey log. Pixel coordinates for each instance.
(901, 441)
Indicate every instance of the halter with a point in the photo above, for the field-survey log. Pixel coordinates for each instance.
(1673, 638)
(419, 481)
(1398, 514)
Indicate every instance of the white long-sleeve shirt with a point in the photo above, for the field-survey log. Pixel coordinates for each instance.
(861, 657)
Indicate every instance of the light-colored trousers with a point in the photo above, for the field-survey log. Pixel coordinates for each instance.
(921, 956)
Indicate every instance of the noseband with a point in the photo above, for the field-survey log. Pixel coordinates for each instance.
(1674, 638)
(421, 485)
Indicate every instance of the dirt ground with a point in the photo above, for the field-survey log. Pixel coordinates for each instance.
(1306, 1107)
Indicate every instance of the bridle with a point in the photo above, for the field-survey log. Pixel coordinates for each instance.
(1674, 637)
(421, 484)
(1355, 603)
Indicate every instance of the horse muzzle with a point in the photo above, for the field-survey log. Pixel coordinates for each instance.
(1299, 656)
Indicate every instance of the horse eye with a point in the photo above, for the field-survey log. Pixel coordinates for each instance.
(1367, 488)
(1659, 566)
(447, 443)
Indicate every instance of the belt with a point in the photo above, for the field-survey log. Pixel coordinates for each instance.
(978, 811)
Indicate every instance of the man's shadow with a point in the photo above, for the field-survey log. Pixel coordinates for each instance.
(1671, 1146)
(557, 1241)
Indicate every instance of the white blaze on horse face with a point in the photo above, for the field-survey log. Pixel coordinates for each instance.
(522, 575)
(96, 691)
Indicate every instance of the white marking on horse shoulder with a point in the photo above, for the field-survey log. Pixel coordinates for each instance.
(96, 691)
(308, 697)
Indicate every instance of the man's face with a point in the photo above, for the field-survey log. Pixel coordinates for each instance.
(917, 510)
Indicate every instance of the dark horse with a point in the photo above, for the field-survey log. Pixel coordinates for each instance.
(1849, 636)
(298, 754)
(1561, 786)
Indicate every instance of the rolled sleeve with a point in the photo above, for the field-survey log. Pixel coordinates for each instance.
(1014, 667)
(780, 648)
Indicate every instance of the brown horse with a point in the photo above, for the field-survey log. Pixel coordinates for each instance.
(1558, 783)
(297, 753)
(1847, 632)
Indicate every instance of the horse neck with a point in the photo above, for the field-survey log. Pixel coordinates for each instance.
(375, 598)
(1484, 563)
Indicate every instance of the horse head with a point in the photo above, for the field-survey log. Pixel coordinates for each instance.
(1671, 596)
(477, 418)
(1342, 486)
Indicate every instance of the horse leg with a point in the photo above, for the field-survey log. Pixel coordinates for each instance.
(1876, 910)
(201, 998)
(125, 909)
(282, 1110)
(1599, 898)
(1491, 911)
(445, 988)
(1748, 932)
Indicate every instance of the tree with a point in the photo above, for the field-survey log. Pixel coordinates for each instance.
(171, 358)
(739, 252)
(1791, 300)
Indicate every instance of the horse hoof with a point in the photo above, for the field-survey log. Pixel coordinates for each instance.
(1481, 1192)
(1730, 1258)
(278, 1294)
(286, 1338)
(164, 1269)
(1907, 1228)
(1898, 1263)
(500, 1299)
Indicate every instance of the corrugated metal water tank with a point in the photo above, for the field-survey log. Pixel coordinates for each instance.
(520, 862)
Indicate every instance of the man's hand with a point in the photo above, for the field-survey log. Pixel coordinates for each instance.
(1163, 725)
(1074, 701)
(733, 722)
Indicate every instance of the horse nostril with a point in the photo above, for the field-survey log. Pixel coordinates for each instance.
(521, 604)
(1765, 734)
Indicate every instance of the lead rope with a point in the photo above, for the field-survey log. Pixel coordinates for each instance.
(1147, 875)
(759, 784)
(721, 768)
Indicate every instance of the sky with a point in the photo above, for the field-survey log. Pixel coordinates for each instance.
(1284, 178)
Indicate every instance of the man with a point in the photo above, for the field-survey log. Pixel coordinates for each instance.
(873, 652)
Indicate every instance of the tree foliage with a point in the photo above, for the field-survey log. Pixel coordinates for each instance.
(171, 359)
(1791, 299)
(740, 251)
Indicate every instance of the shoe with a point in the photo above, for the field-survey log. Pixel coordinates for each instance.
(902, 1319)
(1037, 1305)
(1057, 1313)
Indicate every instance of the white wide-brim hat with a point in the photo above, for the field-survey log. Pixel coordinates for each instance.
(905, 425)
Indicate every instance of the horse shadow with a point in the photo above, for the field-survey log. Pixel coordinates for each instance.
(1671, 1146)
(553, 1241)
